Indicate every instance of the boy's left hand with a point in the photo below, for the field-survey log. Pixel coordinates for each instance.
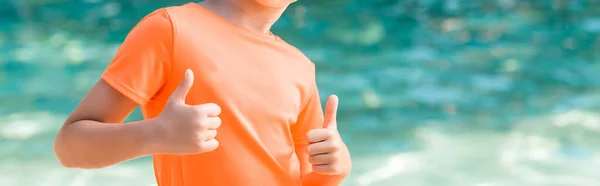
(327, 152)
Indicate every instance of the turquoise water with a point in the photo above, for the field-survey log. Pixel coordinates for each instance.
(433, 93)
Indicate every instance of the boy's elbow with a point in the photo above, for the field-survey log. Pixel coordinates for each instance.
(59, 152)
(66, 163)
(64, 154)
(69, 161)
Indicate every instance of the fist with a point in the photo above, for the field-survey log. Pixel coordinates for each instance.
(327, 152)
(188, 129)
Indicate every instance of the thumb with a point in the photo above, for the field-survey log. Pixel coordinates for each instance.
(184, 87)
(331, 112)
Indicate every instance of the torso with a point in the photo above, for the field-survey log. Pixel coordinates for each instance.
(260, 83)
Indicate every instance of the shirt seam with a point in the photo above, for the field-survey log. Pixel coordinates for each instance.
(311, 95)
(169, 64)
(307, 98)
(138, 97)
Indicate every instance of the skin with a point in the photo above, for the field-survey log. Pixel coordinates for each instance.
(247, 13)
(92, 137)
(327, 152)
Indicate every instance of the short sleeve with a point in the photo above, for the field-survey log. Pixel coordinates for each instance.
(142, 64)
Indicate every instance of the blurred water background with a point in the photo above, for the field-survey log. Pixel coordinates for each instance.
(433, 92)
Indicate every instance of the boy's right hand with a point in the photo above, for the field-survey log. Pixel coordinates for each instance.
(187, 129)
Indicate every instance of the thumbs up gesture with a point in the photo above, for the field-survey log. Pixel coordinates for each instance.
(327, 152)
(187, 129)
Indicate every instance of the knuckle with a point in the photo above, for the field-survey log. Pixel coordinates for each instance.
(317, 168)
(201, 110)
(311, 159)
(210, 108)
(314, 132)
(202, 136)
(312, 135)
(201, 147)
(330, 133)
(213, 147)
(325, 168)
(198, 146)
(216, 121)
(309, 138)
(193, 114)
(209, 135)
(200, 125)
(204, 146)
(335, 145)
(216, 107)
(200, 119)
(326, 146)
(310, 149)
(213, 105)
(216, 133)
(195, 126)
(332, 159)
(334, 170)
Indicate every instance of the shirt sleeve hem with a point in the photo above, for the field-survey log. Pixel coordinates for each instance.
(140, 99)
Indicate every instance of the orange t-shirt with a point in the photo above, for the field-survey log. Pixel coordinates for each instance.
(265, 87)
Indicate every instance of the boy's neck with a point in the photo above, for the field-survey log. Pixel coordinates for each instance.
(247, 13)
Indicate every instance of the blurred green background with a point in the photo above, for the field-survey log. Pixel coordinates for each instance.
(433, 92)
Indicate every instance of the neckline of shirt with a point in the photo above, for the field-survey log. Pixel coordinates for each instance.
(269, 36)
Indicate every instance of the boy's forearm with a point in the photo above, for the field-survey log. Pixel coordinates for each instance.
(90, 144)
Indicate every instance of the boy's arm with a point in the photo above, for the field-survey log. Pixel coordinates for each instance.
(91, 137)
(311, 117)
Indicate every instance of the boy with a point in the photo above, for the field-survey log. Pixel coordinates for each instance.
(205, 68)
